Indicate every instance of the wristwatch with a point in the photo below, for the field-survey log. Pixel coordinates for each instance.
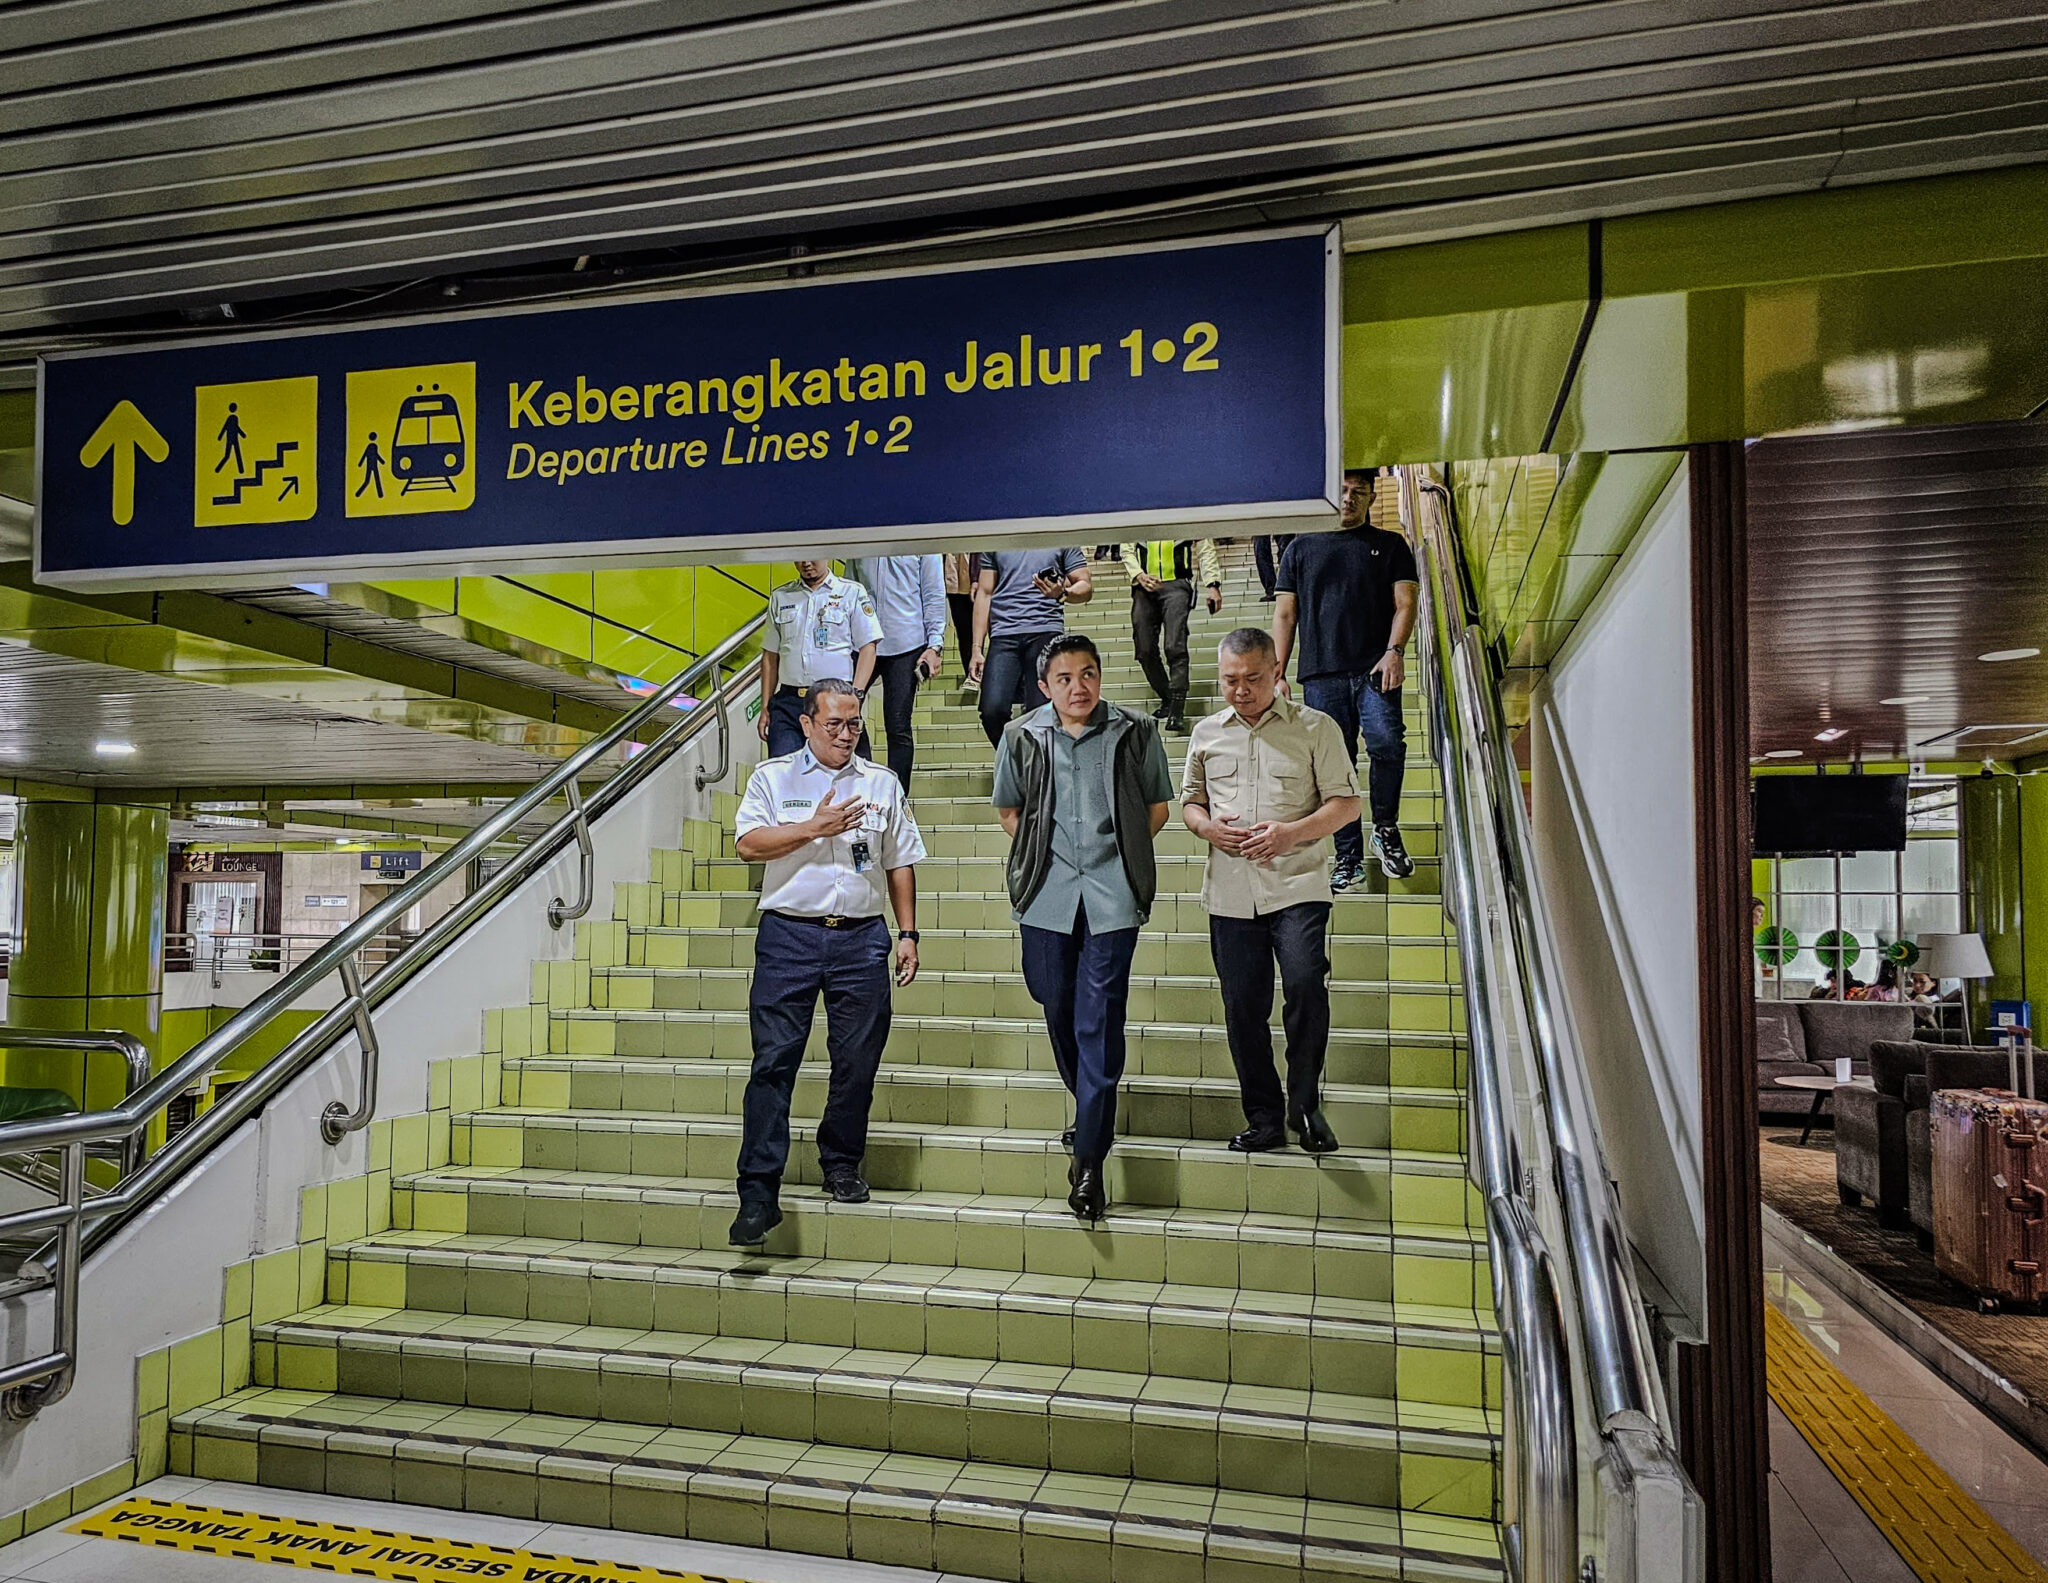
(907, 934)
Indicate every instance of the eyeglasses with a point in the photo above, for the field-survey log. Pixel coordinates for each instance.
(838, 728)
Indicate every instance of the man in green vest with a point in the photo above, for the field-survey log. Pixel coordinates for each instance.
(1163, 577)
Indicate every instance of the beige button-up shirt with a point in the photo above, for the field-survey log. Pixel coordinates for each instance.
(1285, 767)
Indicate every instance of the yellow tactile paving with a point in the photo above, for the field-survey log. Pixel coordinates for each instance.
(1943, 1535)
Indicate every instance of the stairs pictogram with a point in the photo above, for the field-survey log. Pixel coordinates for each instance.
(269, 464)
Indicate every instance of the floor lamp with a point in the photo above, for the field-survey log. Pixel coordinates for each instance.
(1959, 956)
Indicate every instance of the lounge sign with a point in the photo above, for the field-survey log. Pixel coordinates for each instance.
(1068, 395)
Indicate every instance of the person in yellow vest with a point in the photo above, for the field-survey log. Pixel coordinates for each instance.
(1163, 577)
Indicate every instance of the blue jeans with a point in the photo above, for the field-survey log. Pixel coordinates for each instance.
(1362, 710)
(793, 963)
(1083, 980)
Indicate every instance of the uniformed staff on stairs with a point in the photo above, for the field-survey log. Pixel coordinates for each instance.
(831, 828)
(820, 625)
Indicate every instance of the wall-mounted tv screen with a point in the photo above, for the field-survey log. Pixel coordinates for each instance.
(1811, 815)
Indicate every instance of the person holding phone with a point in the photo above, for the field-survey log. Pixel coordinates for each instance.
(833, 835)
(909, 592)
(1020, 602)
(1350, 598)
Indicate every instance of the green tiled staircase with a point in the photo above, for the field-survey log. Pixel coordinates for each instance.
(1258, 1370)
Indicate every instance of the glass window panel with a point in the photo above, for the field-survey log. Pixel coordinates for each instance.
(1931, 866)
(1926, 915)
(1806, 916)
(1867, 917)
(1807, 874)
(1869, 871)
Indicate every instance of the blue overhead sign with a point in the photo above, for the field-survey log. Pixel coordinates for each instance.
(1084, 394)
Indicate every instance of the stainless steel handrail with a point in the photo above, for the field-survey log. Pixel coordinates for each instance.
(158, 1173)
(1540, 1473)
(1615, 1357)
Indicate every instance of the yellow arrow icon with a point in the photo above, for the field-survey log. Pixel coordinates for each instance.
(122, 433)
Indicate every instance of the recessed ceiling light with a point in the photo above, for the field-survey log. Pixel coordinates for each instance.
(1782, 753)
(113, 750)
(341, 840)
(1831, 734)
(1999, 656)
(1909, 698)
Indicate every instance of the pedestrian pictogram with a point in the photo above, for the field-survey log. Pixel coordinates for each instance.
(122, 433)
(412, 439)
(255, 452)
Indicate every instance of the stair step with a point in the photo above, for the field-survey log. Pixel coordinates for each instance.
(1442, 1355)
(1169, 1107)
(1415, 1059)
(1427, 958)
(643, 904)
(937, 1514)
(1393, 1261)
(1377, 1183)
(1261, 1439)
(1406, 1005)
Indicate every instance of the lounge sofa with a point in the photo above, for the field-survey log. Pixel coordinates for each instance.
(1795, 1037)
(1883, 1152)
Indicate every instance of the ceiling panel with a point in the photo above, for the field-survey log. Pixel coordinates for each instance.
(1882, 565)
(153, 155)
(55, 709)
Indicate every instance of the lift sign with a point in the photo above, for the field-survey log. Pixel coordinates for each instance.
(1063, 398)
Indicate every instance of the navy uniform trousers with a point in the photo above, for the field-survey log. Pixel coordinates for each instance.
(794, 962)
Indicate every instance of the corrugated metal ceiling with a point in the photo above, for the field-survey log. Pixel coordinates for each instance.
(159, 152)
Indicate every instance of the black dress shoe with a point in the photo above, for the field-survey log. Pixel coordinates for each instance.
(754, 1223)
(1257, 1140)
(1314, 1133)
(1087, 1200)
(846, 1187)
(1067, 1140)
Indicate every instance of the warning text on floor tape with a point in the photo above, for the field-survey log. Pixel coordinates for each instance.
(351, 1551)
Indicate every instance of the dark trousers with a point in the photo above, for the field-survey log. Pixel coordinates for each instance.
(897, 674)
(962, 608)
(1266, 553)
(785, 721)
(1009, 677)
(1245, 950)
(793, 962)
(1161, 621)
(1362, 710)
(1083, 980)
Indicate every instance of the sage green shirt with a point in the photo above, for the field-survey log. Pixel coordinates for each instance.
(1087, 869)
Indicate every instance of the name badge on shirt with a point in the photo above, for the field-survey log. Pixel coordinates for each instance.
(863, 857)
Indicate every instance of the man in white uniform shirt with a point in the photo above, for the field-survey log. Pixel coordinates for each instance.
(909, 592)
(832, 830)
(820, 627)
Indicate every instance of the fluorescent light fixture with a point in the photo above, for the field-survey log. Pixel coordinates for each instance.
(1832, 734)
(1909, 698)
(1783, 753)
(342, 840)
(110, 749)
(2000, 656)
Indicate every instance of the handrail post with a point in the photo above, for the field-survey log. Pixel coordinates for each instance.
(337, 1121)
(51, 1375)
(724, 724)
(560, 911)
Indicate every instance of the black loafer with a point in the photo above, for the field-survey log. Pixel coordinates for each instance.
(1067, 1140)
(1257, 1140)
(753, 1224)
(847, 1188)
(1314, 1133)
(1087, 1200)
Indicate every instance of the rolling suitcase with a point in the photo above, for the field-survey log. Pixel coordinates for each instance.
(1990, 1167)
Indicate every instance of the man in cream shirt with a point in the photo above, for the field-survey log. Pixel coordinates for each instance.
(1268, 783)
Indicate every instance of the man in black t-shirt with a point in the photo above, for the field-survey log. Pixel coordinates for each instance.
(1350, 596)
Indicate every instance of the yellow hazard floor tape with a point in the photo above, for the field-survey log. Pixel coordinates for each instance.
(351, 1551)
(1938, 1531)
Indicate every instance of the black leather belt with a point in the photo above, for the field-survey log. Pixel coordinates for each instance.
(839, 922)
